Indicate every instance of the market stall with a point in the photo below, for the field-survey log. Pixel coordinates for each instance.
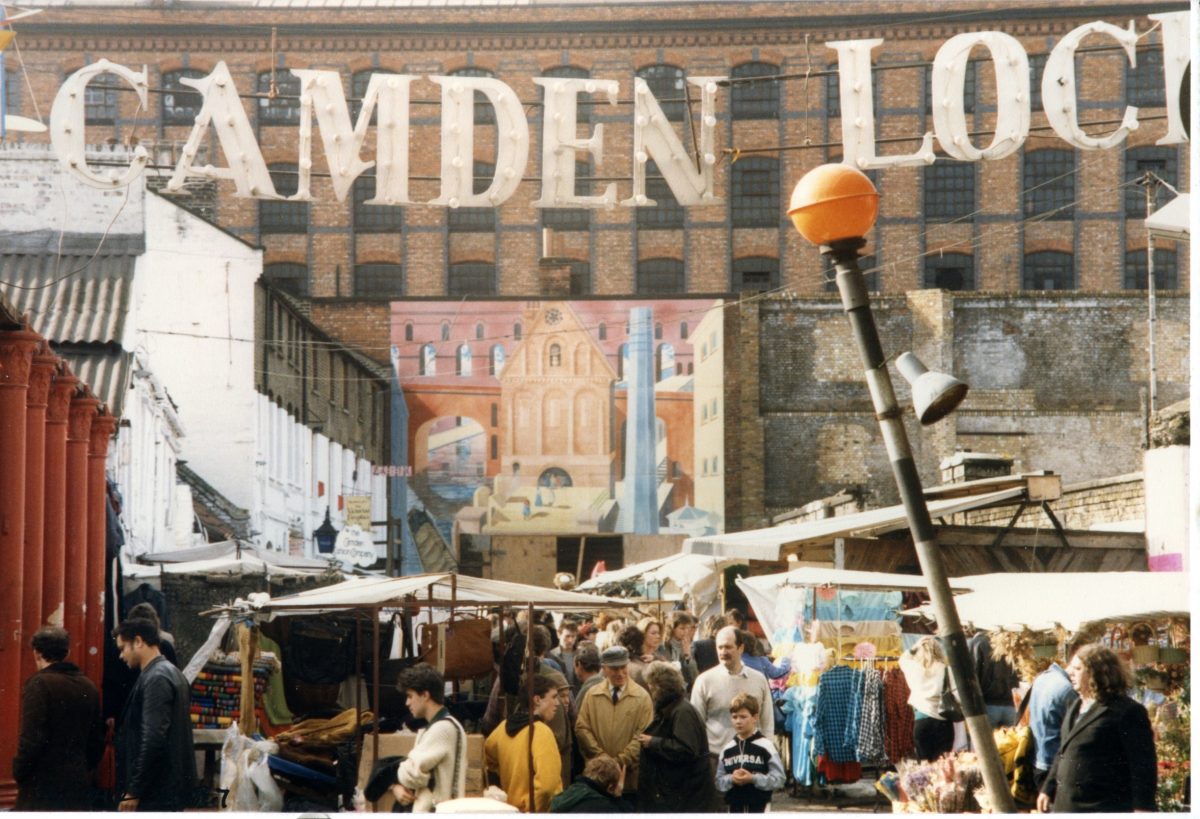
(682, 577)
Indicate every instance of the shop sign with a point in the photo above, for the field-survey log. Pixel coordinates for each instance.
(354, 546)
(358, 511)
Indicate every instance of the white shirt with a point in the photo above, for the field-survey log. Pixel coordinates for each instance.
(716, 688)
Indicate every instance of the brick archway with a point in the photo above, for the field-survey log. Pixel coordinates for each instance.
(427, 404)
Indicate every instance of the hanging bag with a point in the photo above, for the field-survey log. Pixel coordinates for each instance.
(949, 709)
(459, 649)
(1017, 754)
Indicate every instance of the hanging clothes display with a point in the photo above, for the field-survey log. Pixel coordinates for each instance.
(871, 720)
(799, 705)
(898, 717)
(837, 714)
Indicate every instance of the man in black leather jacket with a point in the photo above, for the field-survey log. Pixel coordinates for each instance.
(156, 762)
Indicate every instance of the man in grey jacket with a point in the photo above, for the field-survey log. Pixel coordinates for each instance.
(156, 761)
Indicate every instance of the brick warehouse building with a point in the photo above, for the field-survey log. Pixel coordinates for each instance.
(1046, 217)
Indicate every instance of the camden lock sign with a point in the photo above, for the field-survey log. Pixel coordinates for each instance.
(387, 97)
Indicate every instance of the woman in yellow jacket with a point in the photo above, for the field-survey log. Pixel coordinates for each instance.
(506, 750)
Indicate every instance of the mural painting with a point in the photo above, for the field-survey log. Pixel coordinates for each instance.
(564, 417)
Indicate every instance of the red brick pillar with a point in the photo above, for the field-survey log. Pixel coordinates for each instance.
(54, 537)
(79, 432)
(16, 361)
(103, 427)
(44, 364)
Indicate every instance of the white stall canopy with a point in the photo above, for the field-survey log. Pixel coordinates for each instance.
(1172, 220)
(1040, 602)
(696, 576)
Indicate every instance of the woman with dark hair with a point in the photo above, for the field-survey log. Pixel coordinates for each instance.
(675, 773)
(1106, 762)
(677, 648)
(633, 641)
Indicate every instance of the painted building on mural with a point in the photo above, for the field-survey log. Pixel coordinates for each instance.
(519, 413)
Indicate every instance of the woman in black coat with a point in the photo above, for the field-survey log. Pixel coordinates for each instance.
(674, 772)
(1107, 761)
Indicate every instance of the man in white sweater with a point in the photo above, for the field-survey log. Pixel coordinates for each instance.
(716, 688)
(436, 768)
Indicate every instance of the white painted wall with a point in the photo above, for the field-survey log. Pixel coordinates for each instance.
(193, 316)
(1167, 508)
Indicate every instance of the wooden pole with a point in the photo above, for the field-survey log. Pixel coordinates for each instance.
(579, 560)
(529, 672)
(375, 683)
(247, 648)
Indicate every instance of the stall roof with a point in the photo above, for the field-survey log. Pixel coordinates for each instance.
(629, 572)
(842, 578)
(248, 563)
(439, 589)
(773, 542)
(231, 548)
(1172, 220)
(1039, 602)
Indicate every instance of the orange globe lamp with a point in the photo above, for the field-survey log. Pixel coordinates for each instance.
(832, 203)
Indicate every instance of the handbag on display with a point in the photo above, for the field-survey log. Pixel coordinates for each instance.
(459, 648)
(1017, 754)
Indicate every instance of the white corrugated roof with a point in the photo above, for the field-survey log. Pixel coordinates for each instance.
(771, 543)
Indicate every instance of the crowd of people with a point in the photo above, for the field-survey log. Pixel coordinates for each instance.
(617, 717)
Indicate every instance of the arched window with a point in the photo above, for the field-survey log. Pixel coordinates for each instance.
(1049, 183)
(754, 192)
(950, 271)
(1166, 269)
(475, 220)
(463, 360)
(428, 362)
(374, 218)
(1048, 270)
(660, 276)
(278, 216)
(658, 330)
(408, 331)
(666, 213)
(479, 330)
(517, 331)
(378, 279)
(664, 361)
(496, 364)
(754, 274)
(683, 330)
(949, 190)
(666, 84)
(602, 331)
(555, 355)
(180, 104)
(445, 331)
(1160, 160)
(100, 105)
(284, 109)
(755, 100)
(472, 279)
(484, 113)
(289, 277)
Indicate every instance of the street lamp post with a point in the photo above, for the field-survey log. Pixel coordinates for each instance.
(834, 206)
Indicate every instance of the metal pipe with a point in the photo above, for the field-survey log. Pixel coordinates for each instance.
(1151, 185)
(375, 682)
(857, 306)
(530, 670)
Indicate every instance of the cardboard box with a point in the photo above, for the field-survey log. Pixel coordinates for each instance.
(399, 744)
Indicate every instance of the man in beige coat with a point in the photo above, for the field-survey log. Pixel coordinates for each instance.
(611, 716)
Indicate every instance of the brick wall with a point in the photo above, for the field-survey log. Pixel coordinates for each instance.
(1082, 506)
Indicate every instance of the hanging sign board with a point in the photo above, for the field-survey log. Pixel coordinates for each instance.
(358, 511)
(354, 546)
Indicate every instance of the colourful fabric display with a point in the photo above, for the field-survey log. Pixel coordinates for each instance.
(216, 699)
(799, 705)
(838, 713)
(852, 605)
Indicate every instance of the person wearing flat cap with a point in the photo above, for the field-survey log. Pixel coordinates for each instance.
(612, 715)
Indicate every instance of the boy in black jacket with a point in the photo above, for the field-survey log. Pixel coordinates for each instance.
(749, 768)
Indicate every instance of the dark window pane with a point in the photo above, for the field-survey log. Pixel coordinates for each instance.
(951, 271)
(667, 213)
(754, 192)
(970, 87)
(660, 276)
(373, 218)
(278, 216)
(284, 109)
(99, 101)
(288, 276)
(1145, 86)
(755, 100)
(581, 278)
(1048, 270)
(666, 84)
(475, 220)
(753, 274)
(583, 110)
(180, 104)
(1050, 183)
(358, 90)
(949, 189)
(1163, 162)
(1166, 269)
(378, 280)
(12, 91)
(472, 279)
(572, 218)
(833, 94)
(484, 113)
(1037, 67)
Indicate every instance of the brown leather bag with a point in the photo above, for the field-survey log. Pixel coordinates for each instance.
(460, 649)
